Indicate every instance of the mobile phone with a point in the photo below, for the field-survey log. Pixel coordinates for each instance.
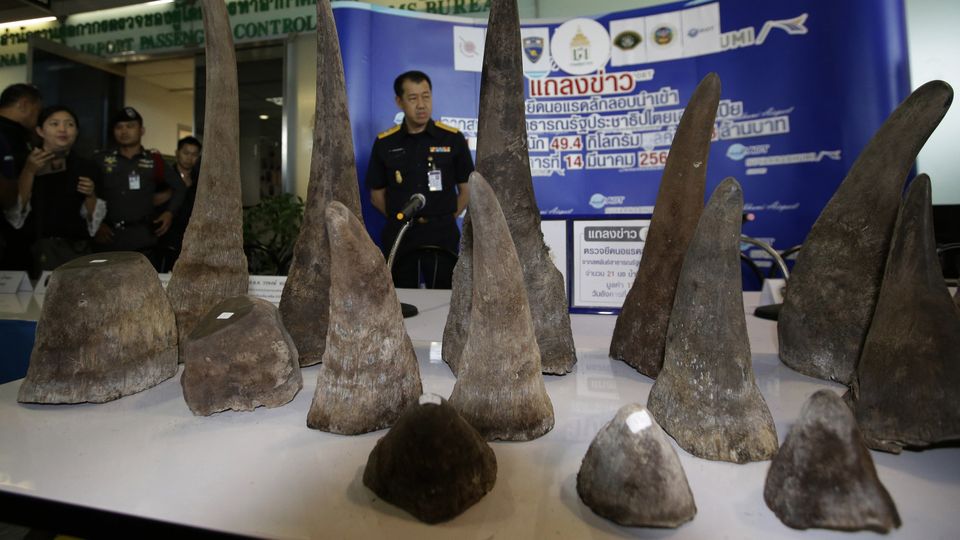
(51, 166)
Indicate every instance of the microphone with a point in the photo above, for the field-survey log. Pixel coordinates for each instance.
(415, 204)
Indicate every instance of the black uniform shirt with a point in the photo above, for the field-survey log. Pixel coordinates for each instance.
(127, 202)
(400, 161)
(13, 148)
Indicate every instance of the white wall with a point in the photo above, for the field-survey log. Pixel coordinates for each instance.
(934, 42)
(162, 111)
(12, 75)
(302, 55)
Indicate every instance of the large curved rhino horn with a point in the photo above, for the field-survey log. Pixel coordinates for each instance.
(641, 330)
(905, 393)
(502, 158)
(305, 301)
(212, 265)
(834, 285)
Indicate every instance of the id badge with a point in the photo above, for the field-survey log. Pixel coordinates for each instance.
(435, 180)
(134, 180)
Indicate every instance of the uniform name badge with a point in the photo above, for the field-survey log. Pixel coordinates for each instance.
(435, 180)
(134, 180)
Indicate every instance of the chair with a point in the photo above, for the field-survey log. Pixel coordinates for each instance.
(949, 257)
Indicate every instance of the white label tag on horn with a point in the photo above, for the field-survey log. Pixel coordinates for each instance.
(639, 421)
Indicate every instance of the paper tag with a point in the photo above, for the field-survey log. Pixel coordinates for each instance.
(42, 283)
(430, 399)
(269, 288)
(225, 315)
(772, 292)
(12, 281)
(134, 181)
(639, 421)
(435, 180)
(164, 279)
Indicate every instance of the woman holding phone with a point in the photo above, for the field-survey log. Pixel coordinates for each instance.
(59, 187)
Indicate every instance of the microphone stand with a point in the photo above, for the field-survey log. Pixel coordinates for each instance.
(771, 312)
(408, 310)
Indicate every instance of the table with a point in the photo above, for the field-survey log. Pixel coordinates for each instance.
(265, 474)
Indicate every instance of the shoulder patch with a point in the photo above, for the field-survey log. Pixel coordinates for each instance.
(389, 132)
(451, 129)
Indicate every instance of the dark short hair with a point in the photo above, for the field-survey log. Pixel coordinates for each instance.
(189, 140)
(413, 76)
(47, 112)
(15, 92)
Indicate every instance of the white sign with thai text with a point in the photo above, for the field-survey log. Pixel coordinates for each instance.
(606, 254)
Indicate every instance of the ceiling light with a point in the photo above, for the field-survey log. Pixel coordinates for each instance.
(27, 22)
(264, 117)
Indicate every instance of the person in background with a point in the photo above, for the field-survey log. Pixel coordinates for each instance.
(59, 187)
(184, 171)
(426, 157)
(133, 186)
(19, 106)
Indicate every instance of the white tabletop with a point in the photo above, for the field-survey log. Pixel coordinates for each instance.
(264, 473)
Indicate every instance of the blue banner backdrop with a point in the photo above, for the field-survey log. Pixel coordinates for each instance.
(805, 85)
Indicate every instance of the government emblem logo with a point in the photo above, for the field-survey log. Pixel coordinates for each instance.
(627, 40)
(533, 48)
(663, 35)
(580, 47)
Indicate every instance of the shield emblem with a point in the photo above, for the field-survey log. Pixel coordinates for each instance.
(533, 48)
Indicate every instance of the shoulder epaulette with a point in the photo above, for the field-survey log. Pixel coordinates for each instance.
(389, 132)
(451, 129)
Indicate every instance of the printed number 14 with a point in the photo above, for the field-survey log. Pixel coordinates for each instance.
(573, 161)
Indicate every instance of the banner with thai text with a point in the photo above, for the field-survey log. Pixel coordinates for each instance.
(805, 85)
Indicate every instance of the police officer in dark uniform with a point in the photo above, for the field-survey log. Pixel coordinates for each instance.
(19, 107)
(426, 157)
(133, 185)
